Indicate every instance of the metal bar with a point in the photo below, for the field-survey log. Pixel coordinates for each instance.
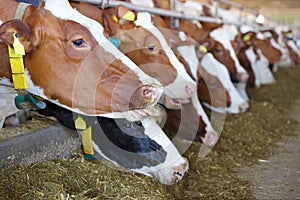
(174, 21)
(157, 11)
(239, 6)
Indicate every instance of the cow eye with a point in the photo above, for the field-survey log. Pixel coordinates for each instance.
(152, 48)
(218, 50)
(78, 42)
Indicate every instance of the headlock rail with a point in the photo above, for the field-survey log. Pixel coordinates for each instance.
(158, 11)
(177, 15)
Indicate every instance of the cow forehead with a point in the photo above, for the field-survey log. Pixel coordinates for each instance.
(144, 20)
(63, 10)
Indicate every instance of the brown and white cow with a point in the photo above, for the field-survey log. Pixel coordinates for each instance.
(256, 55)
(99, 79)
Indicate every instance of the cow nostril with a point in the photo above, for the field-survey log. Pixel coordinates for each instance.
(177, 174)
(243, 77)
(148, 93)
(190, 88)
(243, 107)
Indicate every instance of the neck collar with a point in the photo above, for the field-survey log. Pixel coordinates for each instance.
(21, 10)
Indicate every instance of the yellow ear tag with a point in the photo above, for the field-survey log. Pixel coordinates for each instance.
(130, 16)
(87, 143)
(202, 49)
(80, 123)
(18, 47)
(115, 18)
(246, 38)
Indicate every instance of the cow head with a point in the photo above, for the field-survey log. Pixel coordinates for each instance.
(74, 65)
(147, 47)
(265, 45)
(141, 46)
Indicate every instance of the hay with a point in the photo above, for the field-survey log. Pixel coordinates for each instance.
(246, 138)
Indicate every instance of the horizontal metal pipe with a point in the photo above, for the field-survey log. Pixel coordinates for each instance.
(239, 6)
(157, 11)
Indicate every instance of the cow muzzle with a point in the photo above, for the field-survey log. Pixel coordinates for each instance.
(145, 96)
(173, 174)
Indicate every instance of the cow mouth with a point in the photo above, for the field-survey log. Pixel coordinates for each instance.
(175, 102)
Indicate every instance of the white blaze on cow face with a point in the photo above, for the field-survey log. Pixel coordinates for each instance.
(211, 136)
(293, 45)
(225, 35)
(252, 58)
(189, 55)
(265, 75)
(285, 60)
(177, 89)
(214, 67)
(63, 10)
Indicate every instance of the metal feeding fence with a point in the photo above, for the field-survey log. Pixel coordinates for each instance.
(246, 16)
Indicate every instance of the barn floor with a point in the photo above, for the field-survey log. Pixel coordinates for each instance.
(257, 157)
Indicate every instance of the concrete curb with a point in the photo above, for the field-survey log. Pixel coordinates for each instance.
(54, 141)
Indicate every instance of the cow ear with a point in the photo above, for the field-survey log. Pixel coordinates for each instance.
(208, 44)
(109, 24)
(18, 28)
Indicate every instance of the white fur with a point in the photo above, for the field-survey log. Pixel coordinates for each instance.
(189, 55)
(225, 35)
(182, 36)
(293, 45)
(252, 58)
(216, 68)
(265, 75)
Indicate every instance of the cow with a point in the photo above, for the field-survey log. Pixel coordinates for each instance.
(139, 146)
(255, 56)
(116, 87)
(278, 41)
(147, 47)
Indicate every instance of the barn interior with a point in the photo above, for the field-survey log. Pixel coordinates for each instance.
(256, 157)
